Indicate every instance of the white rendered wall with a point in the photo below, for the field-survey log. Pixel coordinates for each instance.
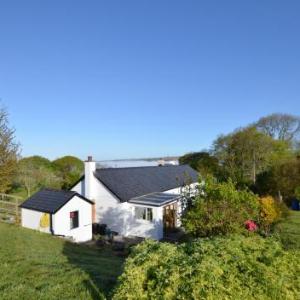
(109, 209)
(31, 219)
(144, 228)
(61, 220)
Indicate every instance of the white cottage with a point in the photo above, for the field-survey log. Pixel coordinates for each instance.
(138, 201)
(62, 213)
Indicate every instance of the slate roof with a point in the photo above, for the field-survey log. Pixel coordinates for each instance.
(50, 201)
(155, 199)
(128, 183)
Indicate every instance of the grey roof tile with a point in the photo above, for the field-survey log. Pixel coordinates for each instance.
(50, 201)
(128, 183)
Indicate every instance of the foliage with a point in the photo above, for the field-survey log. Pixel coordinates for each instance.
(203, 162)
(219, 208)
(8, 152)
(289, 231)
(35, 172)
(244, 153)
(282, 178)
(236, 267)
(70, 169)
(297, 192)
(39, 266)
(280, 126)
(270, 212)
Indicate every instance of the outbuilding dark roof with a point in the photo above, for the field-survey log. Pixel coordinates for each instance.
(128, 183)
(155, 199)
(50, 201)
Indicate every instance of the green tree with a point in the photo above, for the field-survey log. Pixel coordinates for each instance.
(203, 162)
(36, 172)
(70, 169)
(8, 152)
(245, 153)
(283, 127)
(281, 179)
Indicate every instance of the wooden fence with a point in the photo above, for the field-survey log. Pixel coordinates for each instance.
(9, 209)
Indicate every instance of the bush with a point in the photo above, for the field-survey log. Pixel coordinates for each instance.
(236, 267)
(219, 208)
(271, 211)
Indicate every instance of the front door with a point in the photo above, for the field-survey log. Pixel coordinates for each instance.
(169, 217)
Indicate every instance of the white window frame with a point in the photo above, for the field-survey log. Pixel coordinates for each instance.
(146, 215)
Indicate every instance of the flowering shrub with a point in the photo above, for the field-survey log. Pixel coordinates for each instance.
(251, 225)
(235, 267)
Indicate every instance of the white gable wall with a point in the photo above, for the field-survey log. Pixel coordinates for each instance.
(109, 210)
(61, 220)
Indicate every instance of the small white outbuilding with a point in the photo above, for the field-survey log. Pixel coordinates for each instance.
(62, 213)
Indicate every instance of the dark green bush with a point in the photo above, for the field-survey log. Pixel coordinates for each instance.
(236, 267)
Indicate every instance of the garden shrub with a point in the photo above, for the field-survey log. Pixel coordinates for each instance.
(235, 267)
(271, 211)
(220, 208)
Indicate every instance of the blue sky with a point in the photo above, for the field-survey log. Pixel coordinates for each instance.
(123, 79)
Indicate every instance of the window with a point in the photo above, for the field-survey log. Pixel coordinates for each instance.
(74, 219)
(144, 213)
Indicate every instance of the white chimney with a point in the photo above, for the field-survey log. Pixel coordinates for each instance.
(89, 178)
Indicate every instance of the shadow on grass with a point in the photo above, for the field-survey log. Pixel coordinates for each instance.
(101, 265)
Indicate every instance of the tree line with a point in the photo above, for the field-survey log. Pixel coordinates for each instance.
(26, 175)
(263, 156)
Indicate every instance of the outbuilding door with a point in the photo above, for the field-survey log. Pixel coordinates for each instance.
(169, 217)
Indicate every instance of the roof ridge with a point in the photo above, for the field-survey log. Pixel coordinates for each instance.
(142, 167)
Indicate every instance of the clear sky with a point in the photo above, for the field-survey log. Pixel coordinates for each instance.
(123, 79)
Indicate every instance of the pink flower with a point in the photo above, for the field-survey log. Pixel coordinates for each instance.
(251, 225)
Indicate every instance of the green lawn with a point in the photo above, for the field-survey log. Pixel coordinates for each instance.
(289, 231)
(39, 266)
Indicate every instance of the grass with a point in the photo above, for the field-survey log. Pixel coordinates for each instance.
(39, 266)
(289, 231)
(20, 193)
